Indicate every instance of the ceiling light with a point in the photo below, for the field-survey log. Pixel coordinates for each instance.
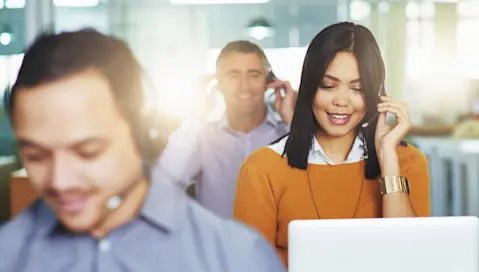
(12, 4)
(76, 3)
(5, 38)
(216, 2)
(6, 35)
(260, 29)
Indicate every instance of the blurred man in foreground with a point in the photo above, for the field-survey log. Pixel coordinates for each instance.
(77, 114)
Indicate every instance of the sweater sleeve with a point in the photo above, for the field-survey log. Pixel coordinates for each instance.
(255, 203)
(414, 167)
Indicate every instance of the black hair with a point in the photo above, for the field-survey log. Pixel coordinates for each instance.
(336, 38)
(52, 57)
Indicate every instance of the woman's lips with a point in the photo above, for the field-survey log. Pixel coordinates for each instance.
(339, 119)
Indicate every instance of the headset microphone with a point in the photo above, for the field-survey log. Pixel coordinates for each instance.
(113, 203)
(366, 124)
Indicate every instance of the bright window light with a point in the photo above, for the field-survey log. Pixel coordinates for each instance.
(412, 10)
(76, 3)
(467, 44)
(427, 10)
(469, 146)
(383, 7)
(359, 10)
(1, 4)
(469, 9)
(12, 4)
(213, 2)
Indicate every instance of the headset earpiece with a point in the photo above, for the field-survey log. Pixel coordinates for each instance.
(270, 77)
(382, 91)
(7, 101)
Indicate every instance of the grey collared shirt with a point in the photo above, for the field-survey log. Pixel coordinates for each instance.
(211, 154)
(171, 233)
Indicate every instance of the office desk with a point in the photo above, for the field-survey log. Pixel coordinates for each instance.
(21, 192)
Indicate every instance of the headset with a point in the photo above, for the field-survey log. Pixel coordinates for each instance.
(270, 77)
(140, 121)
(7, 100)
(381, 92)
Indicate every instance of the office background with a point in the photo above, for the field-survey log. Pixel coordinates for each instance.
(430, 49)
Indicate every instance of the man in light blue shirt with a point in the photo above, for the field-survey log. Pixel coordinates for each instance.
(76, 111)
(211, 153)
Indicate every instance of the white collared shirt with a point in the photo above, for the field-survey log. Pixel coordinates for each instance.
(318, 156)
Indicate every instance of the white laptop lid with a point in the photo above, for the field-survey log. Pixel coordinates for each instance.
(435, 244)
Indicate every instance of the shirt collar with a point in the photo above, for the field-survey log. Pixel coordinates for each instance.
(165, 206)
(270, 119)
(357, 148)
(45, 218)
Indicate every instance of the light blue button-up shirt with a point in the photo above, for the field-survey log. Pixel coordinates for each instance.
(211, 154)
(171, 233)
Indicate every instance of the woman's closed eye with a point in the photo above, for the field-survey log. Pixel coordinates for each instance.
(357, 89)
(327, 86)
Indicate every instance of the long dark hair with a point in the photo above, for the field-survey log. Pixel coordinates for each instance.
(339, 37)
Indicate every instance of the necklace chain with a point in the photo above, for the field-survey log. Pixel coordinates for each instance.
(314, 200)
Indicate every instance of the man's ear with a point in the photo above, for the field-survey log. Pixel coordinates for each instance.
(216, 87)
(270, 77)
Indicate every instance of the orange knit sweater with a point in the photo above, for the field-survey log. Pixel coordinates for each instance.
(270, 193)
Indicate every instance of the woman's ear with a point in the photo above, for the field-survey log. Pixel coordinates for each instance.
(382, 90)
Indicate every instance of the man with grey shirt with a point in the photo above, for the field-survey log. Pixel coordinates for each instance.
(76, 111)
(211, 153)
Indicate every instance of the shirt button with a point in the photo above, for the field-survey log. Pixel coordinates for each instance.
(104, 246)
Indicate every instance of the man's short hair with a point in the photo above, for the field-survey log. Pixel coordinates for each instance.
(55, 56)
(243, 46)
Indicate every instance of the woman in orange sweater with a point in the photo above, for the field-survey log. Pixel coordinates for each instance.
(341, 159)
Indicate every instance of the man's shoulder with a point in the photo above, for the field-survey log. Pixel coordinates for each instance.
(221, 227)
(14, 234)
(21, 223)
(242, 247)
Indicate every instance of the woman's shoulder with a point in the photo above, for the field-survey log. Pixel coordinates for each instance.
(410, 155)
(268, 157)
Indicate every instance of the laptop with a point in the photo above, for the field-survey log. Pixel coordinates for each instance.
(436, 244)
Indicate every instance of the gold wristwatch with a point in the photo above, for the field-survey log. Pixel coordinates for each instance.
(395, 184)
